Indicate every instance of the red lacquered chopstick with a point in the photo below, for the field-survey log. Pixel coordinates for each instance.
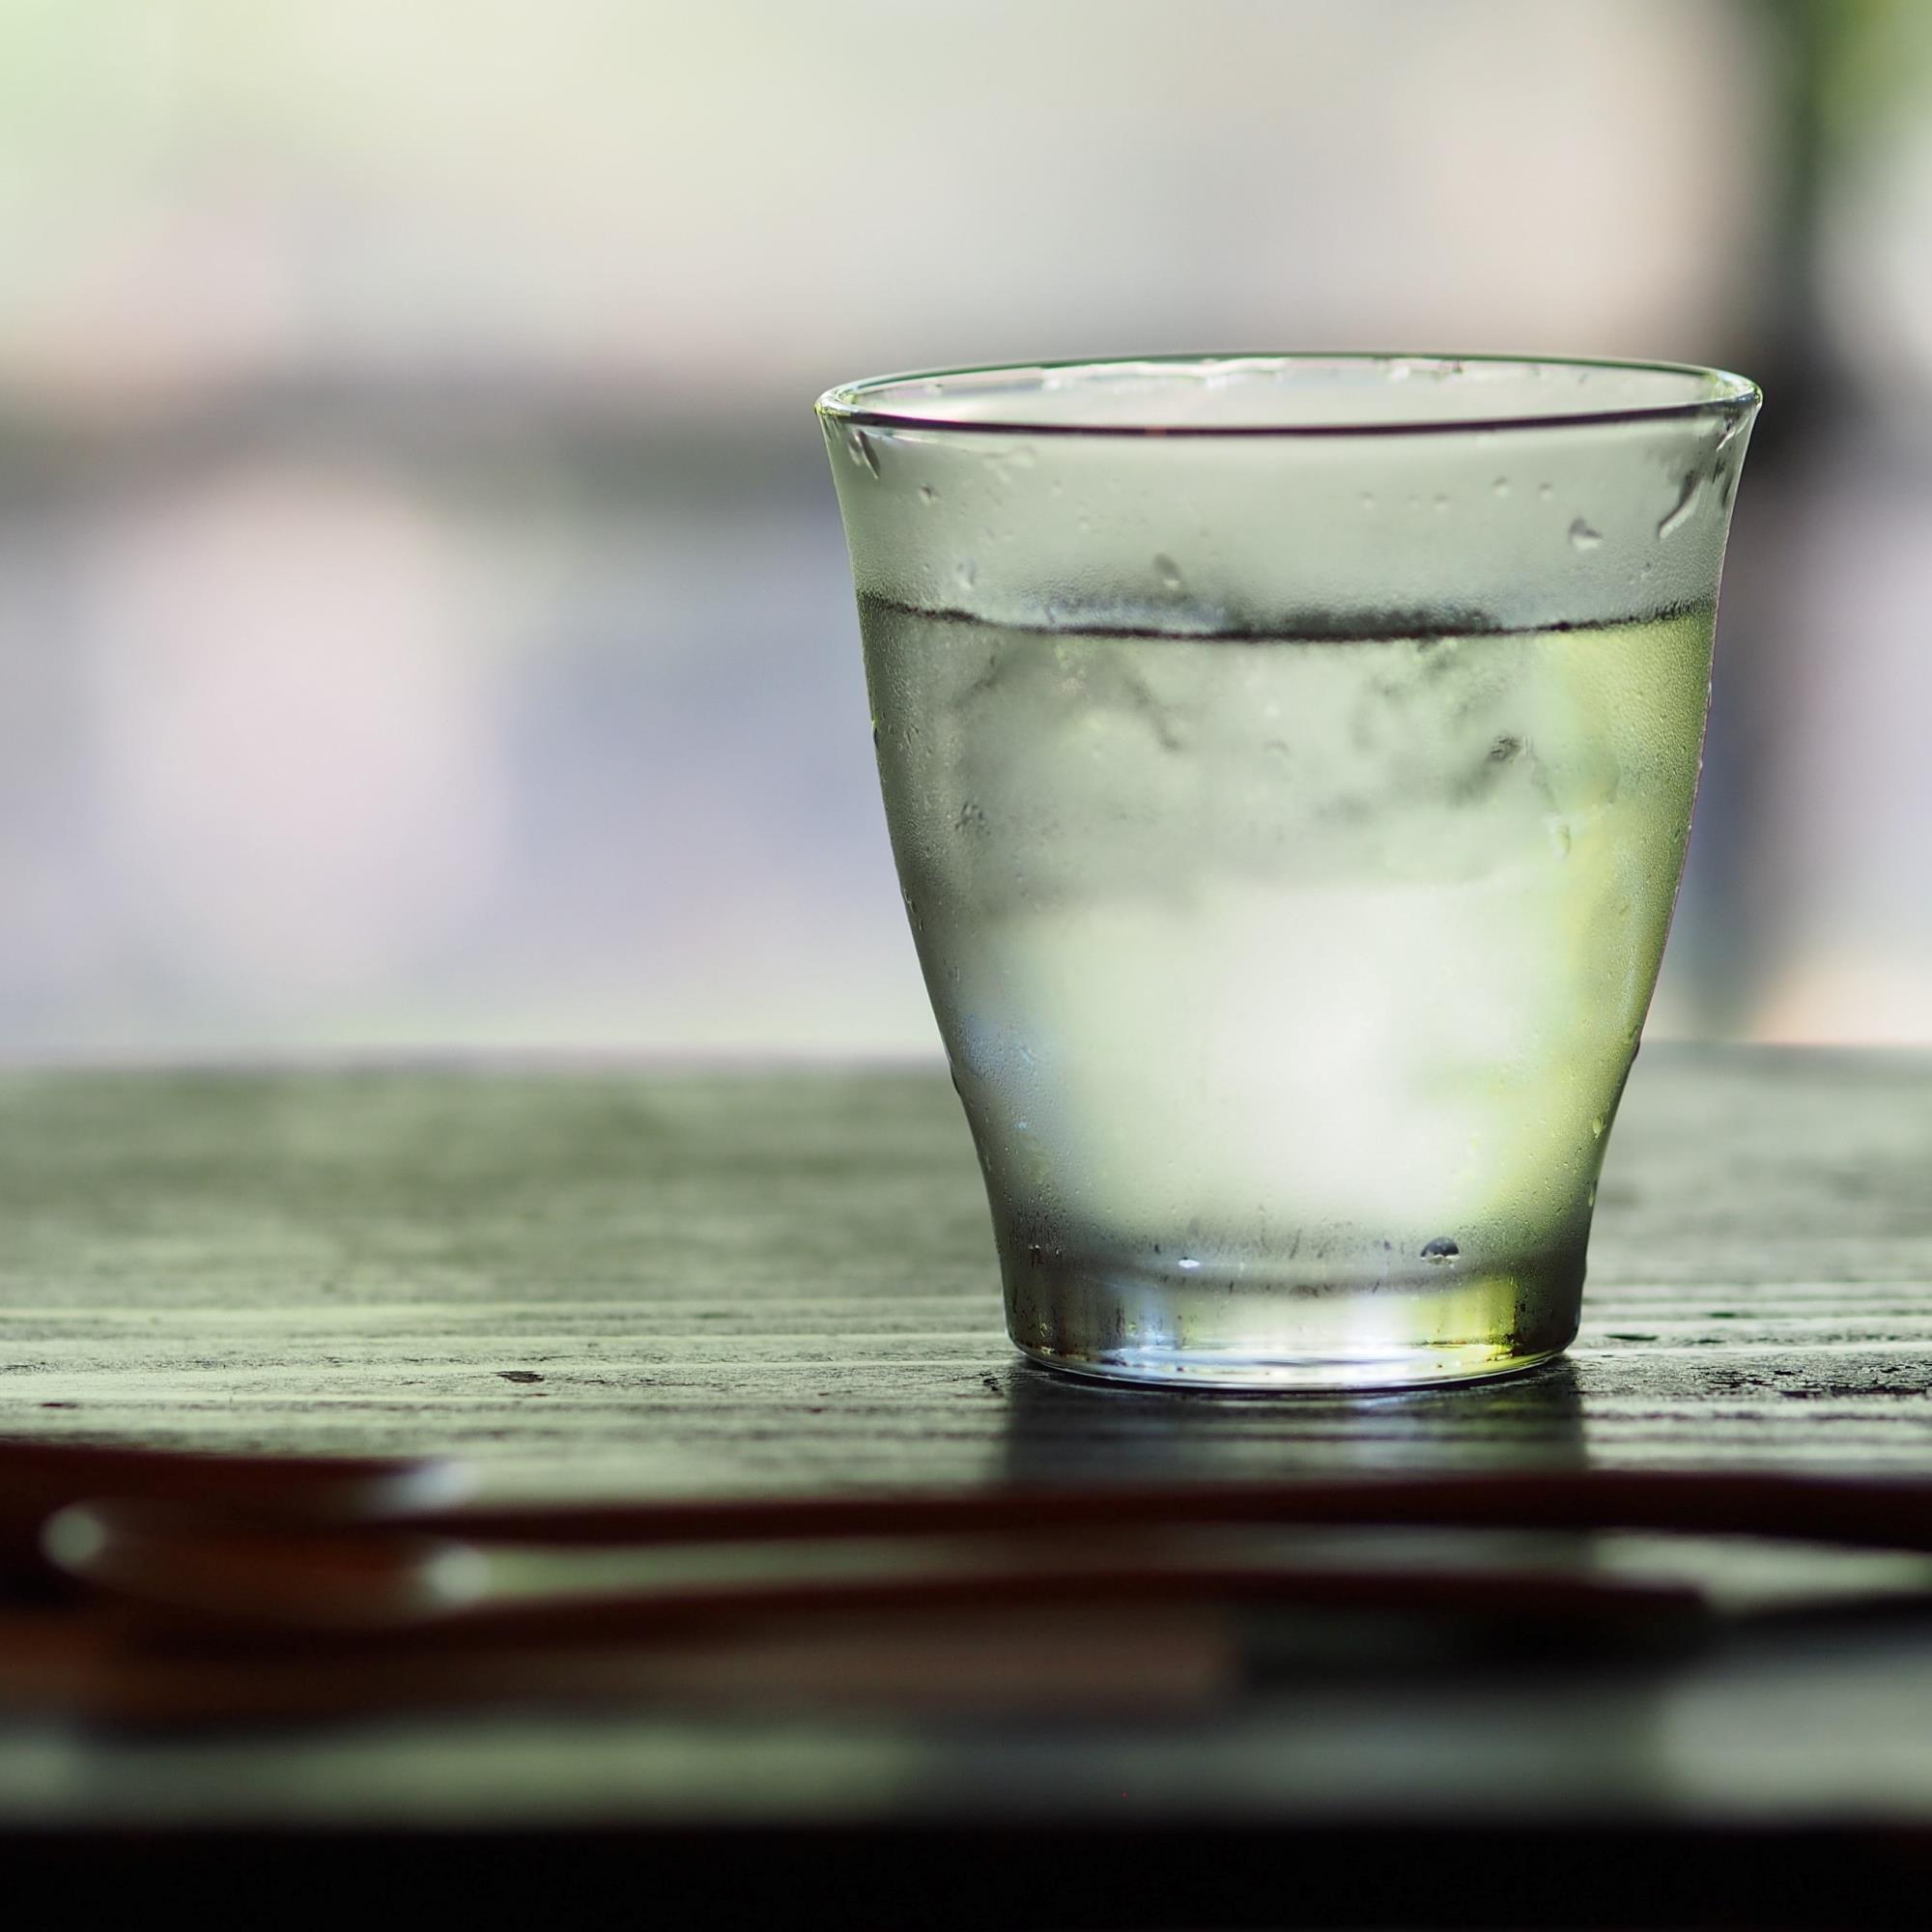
(1868, 1512)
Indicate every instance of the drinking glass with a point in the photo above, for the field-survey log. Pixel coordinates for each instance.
(1289, 761)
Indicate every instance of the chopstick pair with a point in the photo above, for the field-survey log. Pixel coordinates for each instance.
(397, 1550)
(1117, 1627)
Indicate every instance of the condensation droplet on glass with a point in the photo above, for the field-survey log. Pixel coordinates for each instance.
(1560, 838)
(1441, 502)
(860, 446)
(1187, 1264)
(1597, 1129)
(1544, 491)
(1501, 486)
(1582, 536)
(1680, 511)
(928, 494)
(1169, 572)
(967, 571)
(1441, 1249)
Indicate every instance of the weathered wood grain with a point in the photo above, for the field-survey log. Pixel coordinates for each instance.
(724, 1280)
(596, 1280)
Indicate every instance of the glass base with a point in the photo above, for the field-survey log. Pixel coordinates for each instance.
(1304, 1337)
(1311, 1376)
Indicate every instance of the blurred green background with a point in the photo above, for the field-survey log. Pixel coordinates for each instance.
(423, 613)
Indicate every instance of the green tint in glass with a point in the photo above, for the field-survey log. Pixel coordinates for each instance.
(1288, 762)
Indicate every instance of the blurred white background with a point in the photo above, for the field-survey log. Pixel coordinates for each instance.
(423, 616)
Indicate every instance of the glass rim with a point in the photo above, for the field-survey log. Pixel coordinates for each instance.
(851, 405)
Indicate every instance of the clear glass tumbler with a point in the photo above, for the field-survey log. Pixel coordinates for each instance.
(1289, 761)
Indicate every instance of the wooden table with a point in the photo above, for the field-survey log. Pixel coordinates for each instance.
(605, 1279)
